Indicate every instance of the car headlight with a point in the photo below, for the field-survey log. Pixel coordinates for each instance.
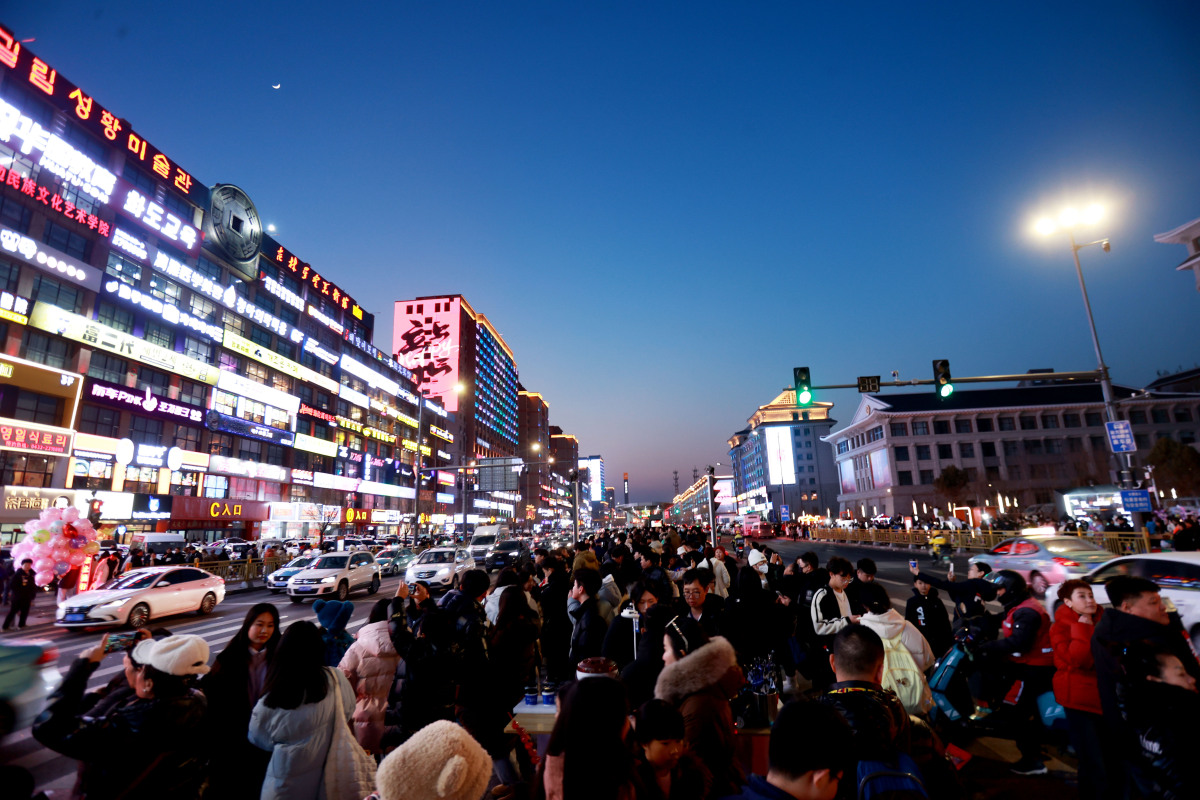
(443, 571)
(329, 579)
(113, 603)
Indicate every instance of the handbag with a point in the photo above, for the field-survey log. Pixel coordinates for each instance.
(349, 770)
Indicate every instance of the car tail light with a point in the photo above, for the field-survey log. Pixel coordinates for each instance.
(1065, 562)
(48, 656)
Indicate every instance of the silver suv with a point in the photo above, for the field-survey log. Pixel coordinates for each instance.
(335, 575)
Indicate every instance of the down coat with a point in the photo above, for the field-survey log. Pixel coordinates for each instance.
(298, 740)
(370, 666)
(1075, 675)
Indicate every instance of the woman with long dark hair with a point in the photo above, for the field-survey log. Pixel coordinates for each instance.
(587, 757)
(236, 682)
(294, 719)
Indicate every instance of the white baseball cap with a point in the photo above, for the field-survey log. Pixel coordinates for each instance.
(175, 655)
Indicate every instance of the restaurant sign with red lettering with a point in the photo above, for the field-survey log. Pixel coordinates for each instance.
(27, 437)
(194, 508)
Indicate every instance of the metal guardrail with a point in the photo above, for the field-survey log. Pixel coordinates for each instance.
(244, 572)
(1119, 544)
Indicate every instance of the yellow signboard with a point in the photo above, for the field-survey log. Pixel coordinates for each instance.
(240, 344)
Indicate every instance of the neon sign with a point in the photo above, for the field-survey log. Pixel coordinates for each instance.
(308, 275)
(42, 194)
(14, 309)
(313, 346)
(157, 218)
(329, 322)
(425, 337)
(373, 351)
(71, 100)
(195, 280)
(267, 395)
(166, 311)
(309, 411)
(231, 298)
(441, 434)
(134, 246)
(34, 438)
(57, 157)
(145, 402)
(373, 378)
(49, 260)
(283, 293)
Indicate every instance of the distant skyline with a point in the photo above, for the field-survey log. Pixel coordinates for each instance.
(664, 208)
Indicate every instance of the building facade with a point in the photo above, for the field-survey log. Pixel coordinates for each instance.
(533, 428)
(1188, 235)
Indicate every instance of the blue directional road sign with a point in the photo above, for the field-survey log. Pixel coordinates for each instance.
(1120, 437)
(785, 513)
(1137, 502)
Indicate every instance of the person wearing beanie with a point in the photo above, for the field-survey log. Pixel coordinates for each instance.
(334, 616)
(149, 748)
(440, 762)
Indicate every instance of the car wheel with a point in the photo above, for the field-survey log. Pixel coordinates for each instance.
(297, 600)
(374, 587)
(139, 615)
(208, 603)
(8, 719)
(343, 590)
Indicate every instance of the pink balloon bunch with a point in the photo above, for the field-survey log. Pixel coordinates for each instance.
(58, 541)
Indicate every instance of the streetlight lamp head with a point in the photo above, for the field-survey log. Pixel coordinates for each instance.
(1068, 218)
(1045, 226)
(1106, 246)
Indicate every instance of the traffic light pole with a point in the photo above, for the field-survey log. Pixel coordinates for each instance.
(1092, 375)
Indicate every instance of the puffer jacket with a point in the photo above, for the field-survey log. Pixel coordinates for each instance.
(145, 749)
(1075, 676)
(298, 739)
(891, 624)
(700, 685)
(370, 665)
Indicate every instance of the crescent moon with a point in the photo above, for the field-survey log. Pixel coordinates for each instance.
(276, 85)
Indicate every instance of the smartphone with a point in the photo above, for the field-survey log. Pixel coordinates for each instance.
(120, 641)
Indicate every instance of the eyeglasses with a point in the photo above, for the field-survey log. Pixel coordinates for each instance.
(693, 592)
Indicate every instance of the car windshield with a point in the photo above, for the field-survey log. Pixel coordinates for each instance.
(404, 551)
(330, 562)
(479, 541)
(303, 561)
(386, 554)
(1071, 544)
(136, 580)
(436, 557)
(508, 546)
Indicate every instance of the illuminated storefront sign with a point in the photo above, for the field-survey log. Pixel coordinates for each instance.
(441, 433)
(97, 335)
(30, 438)
(303, 477)
(329, 322)
(242, 427)
(14, 308)
(326, 480)
(309, 411)
(313, 346)
(53, 201)
(123, 240)
(83, 110)
(306, 274)
(244, 307)
(425, 335)
(206, 508)
(49, 260)
(387, 490)
(374, 379)
(167, 312)
(57, 157)
(224, 465)
(377, 354)
(24, 499)
(240, 344)
(382, 436)
(268, 395)
(282, 292)
(350, 424)
(448, 497)
(442, 454)
(142, 402)
(193, 279)
(312, 444)
(158, 219)
(151, 506)
(354, 396)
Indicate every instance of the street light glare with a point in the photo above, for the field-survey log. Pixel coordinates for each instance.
(1045, 226)
(1069, 217)
(1093, 214)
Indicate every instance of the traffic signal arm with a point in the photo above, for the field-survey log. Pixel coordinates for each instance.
(1093, 375)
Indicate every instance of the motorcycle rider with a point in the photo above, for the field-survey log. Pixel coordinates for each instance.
(1025, 646)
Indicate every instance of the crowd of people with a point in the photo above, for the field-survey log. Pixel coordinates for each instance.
(657, 647)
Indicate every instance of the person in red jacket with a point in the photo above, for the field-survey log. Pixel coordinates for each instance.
(1075, 683)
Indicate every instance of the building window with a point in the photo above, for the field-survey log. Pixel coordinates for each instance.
(113, 317)
(13, 214)
(230, 362)
(1187, 437)
(873, 435)
(1049, 421)
(1054, 446)
(923, 452)
(250, 449)
(962, 426)
(1094, 419)
(966, 450)
(44, 350)
(159, 334)
(920, 428)
(1034, 447)
(40, 408)
(276, 454)
(1142, 440)
(17, 469)
(144, 430)
(843, 446)
(1074, 444)
(99, 421)
(1007, 424)
(984, 425)
(1137, 416)
(899, 429)
(216, 486)
(193, 392)
(257, 373)
(987, 449)
(972, 474)
(260, 336)
(187, 437)
(1028, 423)
(48, 290)
(926, 477)
(945, 451)
(1183, 415)
(221, 444)
(941, 427)
(124, 270)
(991, 474)
(1071, 420)
(153, 380)
(1159, 416)
(904, 478)
(107, 368)
(1011, 448)
(197, 349)
(66, 241)
(1014, 472)
(10, 275)
(1097, 443)
(166, 290)
(202, 307)
(901, 453)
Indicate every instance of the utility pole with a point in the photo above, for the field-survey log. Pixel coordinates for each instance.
(695, 474)
(676, 474)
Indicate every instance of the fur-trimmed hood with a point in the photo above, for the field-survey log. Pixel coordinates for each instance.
(696, 671)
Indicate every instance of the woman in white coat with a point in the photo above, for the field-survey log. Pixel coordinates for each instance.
(294, 719)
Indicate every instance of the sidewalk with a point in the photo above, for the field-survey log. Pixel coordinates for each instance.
(45, 604)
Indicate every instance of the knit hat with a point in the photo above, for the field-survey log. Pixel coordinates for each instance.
(440, 762)
(333, 614)
(755, 558)
(178, 655)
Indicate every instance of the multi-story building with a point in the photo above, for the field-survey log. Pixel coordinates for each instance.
(778, 459)
(175, 361)
(595, 467)
(1015, 445)
(1188, 235)
(691, 506)
(534, 436)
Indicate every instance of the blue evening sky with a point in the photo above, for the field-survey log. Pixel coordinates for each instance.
(665, 206)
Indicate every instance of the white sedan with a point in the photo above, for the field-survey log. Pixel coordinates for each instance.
(141, 595)
(1177, 575)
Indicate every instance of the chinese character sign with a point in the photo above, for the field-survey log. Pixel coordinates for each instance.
(1120, 437)
(425, 337)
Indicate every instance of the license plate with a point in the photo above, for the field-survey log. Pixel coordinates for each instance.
(304, 589)
(74, 617)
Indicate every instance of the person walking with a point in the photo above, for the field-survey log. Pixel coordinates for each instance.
(23, 591)
(294, 719)
(370, 665)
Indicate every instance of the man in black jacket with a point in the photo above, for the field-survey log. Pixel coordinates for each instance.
(968, 596)
(926, 610)
(556, 623)
(23, 592)
(587, 637)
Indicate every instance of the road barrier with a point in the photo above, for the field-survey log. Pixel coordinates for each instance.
(243, 574)
(1119, 544)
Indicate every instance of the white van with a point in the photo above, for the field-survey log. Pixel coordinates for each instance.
(485, 538)
(157, 543)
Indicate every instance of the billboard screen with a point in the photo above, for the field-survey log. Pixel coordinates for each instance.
(595, 467)
(426, 340)
(846, 468)
(781, 464)
(881, 473)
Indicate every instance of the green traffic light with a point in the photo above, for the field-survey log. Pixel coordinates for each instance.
(946, 389)
(805, 397)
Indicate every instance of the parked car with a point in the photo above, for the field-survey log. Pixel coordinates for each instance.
(395, 560)
(28, 676)
(336, 574)
(1177, 575)
(1045, 559)
(144, 594)
(440, 567)
(507, 554)
(277, 581)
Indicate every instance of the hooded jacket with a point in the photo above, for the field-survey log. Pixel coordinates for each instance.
(1163, 718)
(928, 613)
(1075, 675)
(1116, 629)
(968, 596)
(700, 685)
(890, 624)
(876, 717)
(370, 666)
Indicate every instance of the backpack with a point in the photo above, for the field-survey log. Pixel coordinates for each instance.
(900, 674)
(883, 780)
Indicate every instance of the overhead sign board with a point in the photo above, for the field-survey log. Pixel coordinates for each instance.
(1137, 502)
(1120, 436)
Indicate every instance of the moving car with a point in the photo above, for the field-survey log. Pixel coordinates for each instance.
(440, 567)
(1177, 575)
(506, 554)
(141, 595)
(28, 676)
(277, 581)
(1045, 559)
(335, 575)
(395, 560)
